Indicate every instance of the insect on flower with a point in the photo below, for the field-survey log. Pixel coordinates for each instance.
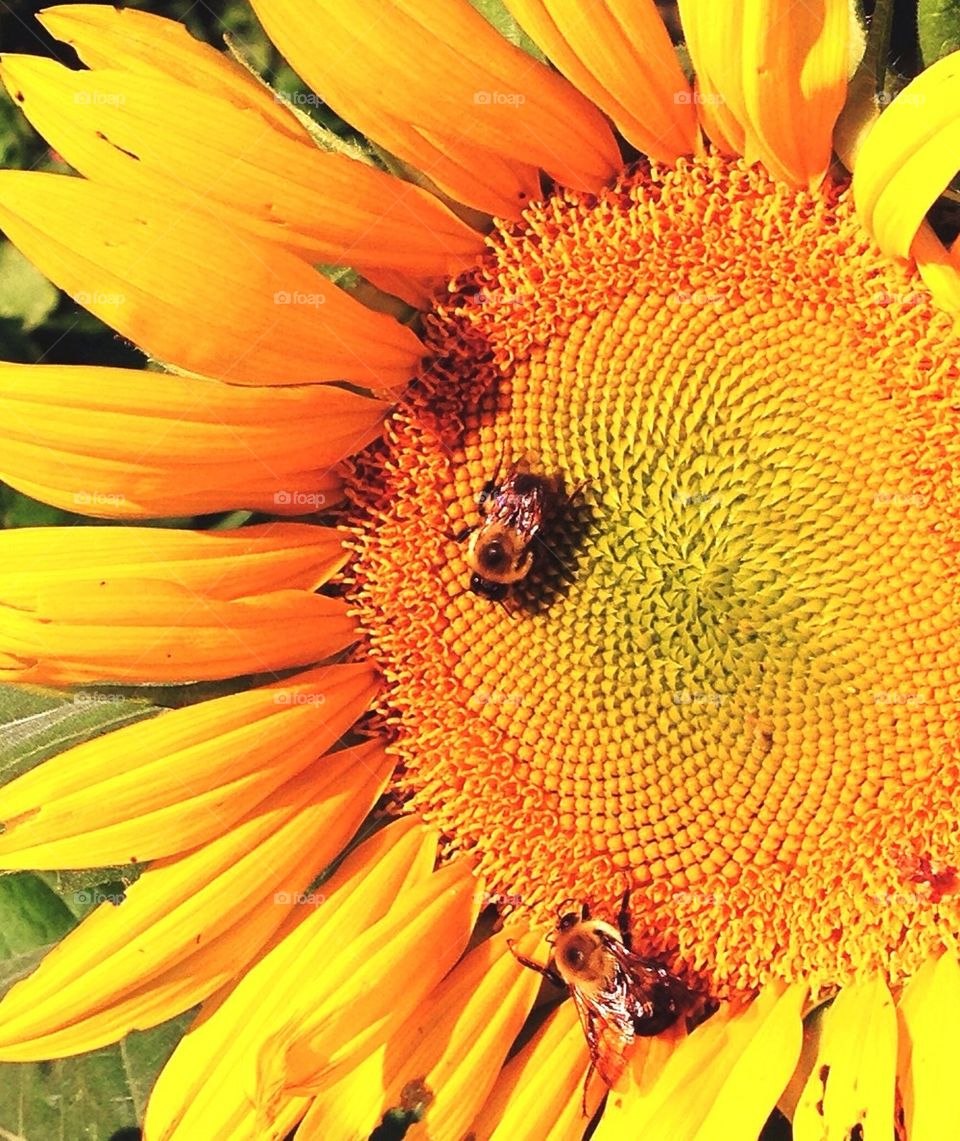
(513, 513)
(619, 996)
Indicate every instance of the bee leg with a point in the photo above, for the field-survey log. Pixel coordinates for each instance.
(623, 921)
(461, 535)
(575, 491)
(488, 492)
(586, 1086)
(547, 972)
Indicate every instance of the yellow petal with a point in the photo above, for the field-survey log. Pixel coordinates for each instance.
(852, 1083)
(206, 1089)
(538, 1096)
(451, 1049)
(910, 156)
(188, 290)
(343, 1014)
(151, 604)
(714, 37)
(720, 125)
(779, 71)
(123, 444)
(107, 36)
(458, 1037)
(724, 1079)
(147, 132)
(939, 267)
(929, 1010)
(191, 924)
(440, 88)
(163, 786)
(620, 56)
(795, 64)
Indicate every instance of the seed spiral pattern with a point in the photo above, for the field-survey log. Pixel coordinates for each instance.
(731, 683)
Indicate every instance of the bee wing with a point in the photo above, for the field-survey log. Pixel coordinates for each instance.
(608, 1032)
(655, 997)
(520, 510)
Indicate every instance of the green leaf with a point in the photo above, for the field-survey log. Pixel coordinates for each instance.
(36, 724)
(19, 510)
(25, 293)
(90, 1096)
(32, 919)
(94, 1095)
(495, 12)
(938, 24)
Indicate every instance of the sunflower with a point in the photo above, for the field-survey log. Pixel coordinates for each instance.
(726, 690)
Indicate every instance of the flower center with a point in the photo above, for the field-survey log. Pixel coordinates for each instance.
(729, 682)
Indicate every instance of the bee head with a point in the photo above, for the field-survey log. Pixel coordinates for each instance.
(486, 588)
(493, 557)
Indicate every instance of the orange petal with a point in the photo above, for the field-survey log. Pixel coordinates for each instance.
(151, 604)
(723, 1080)
(190, 291)
(929, 1010)
(169, 784)
(147, 132)
(206, 1089)
(620, 56)
(538, 1096)
(190, 924)
(107, 36)
(123, 444)
(441, 89)
(853, 1079)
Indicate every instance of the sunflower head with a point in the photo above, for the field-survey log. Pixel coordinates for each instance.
(635, 565)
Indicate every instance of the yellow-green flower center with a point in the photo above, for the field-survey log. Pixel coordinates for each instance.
(730, 682)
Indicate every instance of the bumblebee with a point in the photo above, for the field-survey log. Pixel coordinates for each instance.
(619, 995)
(500, 552)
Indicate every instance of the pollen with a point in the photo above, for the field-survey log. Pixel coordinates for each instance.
(730, 683)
